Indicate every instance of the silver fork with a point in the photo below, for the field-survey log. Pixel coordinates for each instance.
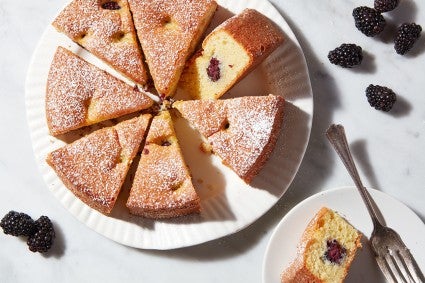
(392, 255)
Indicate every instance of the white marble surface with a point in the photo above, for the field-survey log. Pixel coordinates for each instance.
(388, 147)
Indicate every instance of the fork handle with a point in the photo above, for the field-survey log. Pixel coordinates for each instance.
(336, 136)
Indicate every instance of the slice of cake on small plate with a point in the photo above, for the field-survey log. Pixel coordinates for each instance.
(105, 28)
(162, 186)
(326, 251)
(229, 53)
(242, 131)
(95, 166)
(169, 32)
(79, 94)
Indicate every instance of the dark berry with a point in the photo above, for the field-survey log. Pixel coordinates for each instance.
(347, 55)
(335, 252)
(162, 96)
(165, 143)
(18, 224)
(368, 20)
(385, 5)
(406, 36)
(42, 240)
(213, 69)
(111, 5)
(380, 97)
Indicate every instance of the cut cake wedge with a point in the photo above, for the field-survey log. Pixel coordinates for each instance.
(169, 32)
(94, 167)
(162, 186)
(326, 250)
(105, 28)
(79, 94)
(242, 131)
(229, 53)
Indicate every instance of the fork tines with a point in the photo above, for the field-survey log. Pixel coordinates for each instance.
(400, 266)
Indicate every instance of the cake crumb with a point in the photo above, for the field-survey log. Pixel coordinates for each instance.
(205, 148)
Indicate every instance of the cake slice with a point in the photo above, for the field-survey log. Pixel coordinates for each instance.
(80, 94)
(162, 186)
(242, 131)
(229, 53)
(105, 28)
(169, 32)
(326, 251)
(95, 166)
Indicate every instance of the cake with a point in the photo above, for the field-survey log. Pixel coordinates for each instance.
(229, 53)
(162, 186)
(105, 28)
(80, 94)
(95, 166)
(326, 251)
(242, 131)
(169, 32)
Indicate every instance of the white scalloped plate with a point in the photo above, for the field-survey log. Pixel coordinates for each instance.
(282, 246)
(228, 204)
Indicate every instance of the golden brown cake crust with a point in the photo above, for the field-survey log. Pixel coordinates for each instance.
(107, 33)
(168, 32)
(79, 94)
(297, 272)
(242, 131)
(208, 116)
(229, 53)
(94, 167)
(162, 186)
(255, 32)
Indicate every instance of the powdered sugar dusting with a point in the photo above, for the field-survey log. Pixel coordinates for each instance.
(87, 168)
(168, 32)
(109, 34)
(94, 167)
(80, 94)
(253, 125)
(162, 183)
(207, 115)
(142, 233)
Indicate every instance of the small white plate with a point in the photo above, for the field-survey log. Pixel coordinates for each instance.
(281, 249)
(228, 204)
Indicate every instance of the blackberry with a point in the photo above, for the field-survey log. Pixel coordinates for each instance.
(42, 240)
(213, 69)
(406, 36)
(347, 55)
(385, 5)
(380, 97)
(368, 20)
(111, 5)
(335, 252)
(18, 224)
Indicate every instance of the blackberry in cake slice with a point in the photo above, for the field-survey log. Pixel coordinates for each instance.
(168, 32)
(229, 53)
(326, 250)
